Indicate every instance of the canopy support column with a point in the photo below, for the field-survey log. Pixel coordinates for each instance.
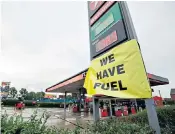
(79, 106)
(137, 109)
(110, 107)
(96, 115)
(65, 94)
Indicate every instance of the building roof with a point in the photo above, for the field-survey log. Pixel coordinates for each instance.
(74, 83)
(172, 91)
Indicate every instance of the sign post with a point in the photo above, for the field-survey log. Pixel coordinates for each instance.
(110, 25)
(96, 114)
(151, 110)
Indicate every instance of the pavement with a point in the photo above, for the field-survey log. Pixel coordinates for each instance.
(57, 116)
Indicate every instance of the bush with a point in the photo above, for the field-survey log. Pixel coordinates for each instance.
(114, 126)
(29, 103)
(9, 102)
(166, 117)
(12, 102)
(16, 125)
(138, 123)
(135, 124)
(35, 125)
(169, 102)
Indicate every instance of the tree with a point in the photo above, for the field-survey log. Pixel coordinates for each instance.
(23, 92)
(5, 89)
(40, 95)
(35, 96)
(30, 96)
(13, 91)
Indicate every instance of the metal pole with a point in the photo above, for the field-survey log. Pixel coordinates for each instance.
(80, 99)
(110, 107)
(136, 105)
(160, 94)
(152, 114)
(96, 115)
(65, 104)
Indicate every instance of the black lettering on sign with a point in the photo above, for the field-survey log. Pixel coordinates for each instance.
(105, 74)
(104, 61)
(120, 69)
(97, 85)
(111, 58)
(99, 76)
(107, 59)
(111, 71)
(114, 86)
(107, 86)
(120, 85)
(111, 86)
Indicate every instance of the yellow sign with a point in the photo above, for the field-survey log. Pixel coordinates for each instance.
(119, 73)
(50, 96)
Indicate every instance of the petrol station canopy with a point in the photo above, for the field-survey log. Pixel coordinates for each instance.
(74, 83)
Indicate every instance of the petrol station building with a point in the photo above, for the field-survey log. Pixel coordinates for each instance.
(75, 84)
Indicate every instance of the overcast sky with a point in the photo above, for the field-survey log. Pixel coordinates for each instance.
(45, 42)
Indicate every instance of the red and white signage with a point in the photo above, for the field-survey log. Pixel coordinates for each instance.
(106, 41)
(74, 79)
(93, 5)
(103, 9)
